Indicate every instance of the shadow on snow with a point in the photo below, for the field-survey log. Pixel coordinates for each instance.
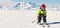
(54, 23)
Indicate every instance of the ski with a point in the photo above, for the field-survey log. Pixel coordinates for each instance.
(44, 25)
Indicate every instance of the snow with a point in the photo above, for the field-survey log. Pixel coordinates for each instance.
(24, 18)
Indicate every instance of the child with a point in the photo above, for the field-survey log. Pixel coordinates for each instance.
(42, 14)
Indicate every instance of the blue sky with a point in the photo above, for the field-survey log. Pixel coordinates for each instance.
(49, 2)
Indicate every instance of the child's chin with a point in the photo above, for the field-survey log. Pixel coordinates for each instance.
(42, 9)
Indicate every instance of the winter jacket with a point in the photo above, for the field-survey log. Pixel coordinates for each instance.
(40, 11)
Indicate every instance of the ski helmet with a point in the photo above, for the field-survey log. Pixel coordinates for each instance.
(43, 5)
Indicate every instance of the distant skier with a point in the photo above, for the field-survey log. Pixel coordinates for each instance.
(41, 13)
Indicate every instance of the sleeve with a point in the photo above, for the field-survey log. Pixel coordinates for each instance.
(38, 12)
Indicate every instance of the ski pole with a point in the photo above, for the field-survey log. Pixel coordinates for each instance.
(34, 21)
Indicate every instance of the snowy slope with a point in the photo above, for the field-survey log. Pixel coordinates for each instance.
(24, 18)
(15, 15)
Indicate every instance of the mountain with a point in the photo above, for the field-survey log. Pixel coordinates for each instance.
(24, 5)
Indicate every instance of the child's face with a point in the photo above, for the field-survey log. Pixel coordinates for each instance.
(42, 8)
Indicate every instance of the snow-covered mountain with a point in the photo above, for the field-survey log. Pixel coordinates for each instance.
(9, 5)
